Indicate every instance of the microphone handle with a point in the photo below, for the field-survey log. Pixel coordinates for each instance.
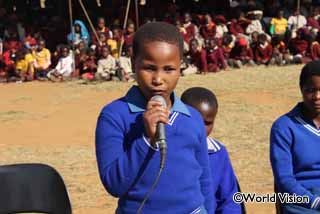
(161, 132)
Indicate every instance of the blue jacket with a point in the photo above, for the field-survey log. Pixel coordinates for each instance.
(223, 179)
(295, 155)
(128, 164)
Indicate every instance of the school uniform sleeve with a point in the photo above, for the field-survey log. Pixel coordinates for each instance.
(205, 179)
(282, 164)
(227, 187)
(118, 163)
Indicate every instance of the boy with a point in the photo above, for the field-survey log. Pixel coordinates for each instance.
(64, 68)
(106, 66)
(223, 177)
(42, 60)
(127, 153)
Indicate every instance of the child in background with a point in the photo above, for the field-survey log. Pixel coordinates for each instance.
(3, 74)
(126, 141)
(125, 65)
(24, 66)
(214, 56)
(263, 50)
(64, 68)
(225, 183)
(241, 54)
(88, 66)
(195, 59)
(106, 70)
(42, 60)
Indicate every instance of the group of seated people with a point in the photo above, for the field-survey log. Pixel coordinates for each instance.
(211, 43)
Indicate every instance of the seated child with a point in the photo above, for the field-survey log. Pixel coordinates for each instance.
(195, 59)
(64, 68)
(263, 50)
(24, 66)
(241, 54)
(214, 56)
(106, 66)
(125, 65)
(222, 174)
(88, 65)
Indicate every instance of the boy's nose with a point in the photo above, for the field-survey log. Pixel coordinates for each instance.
(157, 80)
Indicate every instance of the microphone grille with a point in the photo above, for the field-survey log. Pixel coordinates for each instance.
(160, 99)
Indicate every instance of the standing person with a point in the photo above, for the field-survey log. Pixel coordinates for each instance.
(279, 24)
(294, 146)
(225, 183)
(127, 152)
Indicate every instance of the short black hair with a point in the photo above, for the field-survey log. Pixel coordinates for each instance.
(309, 70)
(196, 95)
(156, 32)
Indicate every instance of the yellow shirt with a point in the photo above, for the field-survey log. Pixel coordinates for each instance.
(280, 25)
(113, 47)
(43, 58)
(23, 64)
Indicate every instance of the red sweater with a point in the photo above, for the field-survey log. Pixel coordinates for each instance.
(315, 51)
(298, 46)
(263, 54)
(215, 59)
(208, 31)
(241, 53)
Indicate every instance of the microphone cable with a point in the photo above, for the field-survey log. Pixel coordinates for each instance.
(163, 155)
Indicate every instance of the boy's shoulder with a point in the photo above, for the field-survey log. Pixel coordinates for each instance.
(115, 107)
(214, 146)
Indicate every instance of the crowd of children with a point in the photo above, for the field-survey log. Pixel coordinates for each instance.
(212, 42)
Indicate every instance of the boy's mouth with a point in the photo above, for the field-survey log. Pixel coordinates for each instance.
(157, 92)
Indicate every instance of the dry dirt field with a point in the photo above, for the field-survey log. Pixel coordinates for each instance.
(54, 123)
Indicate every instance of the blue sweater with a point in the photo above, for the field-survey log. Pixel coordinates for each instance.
(223, 178)
(128, 164)
(295, 155)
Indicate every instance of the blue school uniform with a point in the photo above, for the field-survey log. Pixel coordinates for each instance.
(128, 164)
(295, 156)
(223, 179)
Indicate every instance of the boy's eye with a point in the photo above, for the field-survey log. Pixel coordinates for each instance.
(310, 90)
(169, 69)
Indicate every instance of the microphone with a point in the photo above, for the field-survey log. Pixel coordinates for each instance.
(161, 142)
(161, 133)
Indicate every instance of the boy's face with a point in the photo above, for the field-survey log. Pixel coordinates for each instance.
(105, 52)
(209, 115)
(311, 95)
(65, 52)
(158, 69)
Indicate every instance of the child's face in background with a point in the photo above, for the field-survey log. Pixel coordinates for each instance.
(105, 52)
(102, 37)
(65, 52)
(158, 69)
(209, 115)
(130, 28)
(77, 28)
(311, 95)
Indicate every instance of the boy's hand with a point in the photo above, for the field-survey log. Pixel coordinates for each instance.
(154, 114)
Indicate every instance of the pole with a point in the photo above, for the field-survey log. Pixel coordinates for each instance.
(124, 26)
(137, 13)
(72, 33)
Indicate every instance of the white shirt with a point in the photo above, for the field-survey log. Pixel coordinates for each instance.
(296, 22)
(65, 65)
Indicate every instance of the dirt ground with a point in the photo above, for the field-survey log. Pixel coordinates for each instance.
(54, 123)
